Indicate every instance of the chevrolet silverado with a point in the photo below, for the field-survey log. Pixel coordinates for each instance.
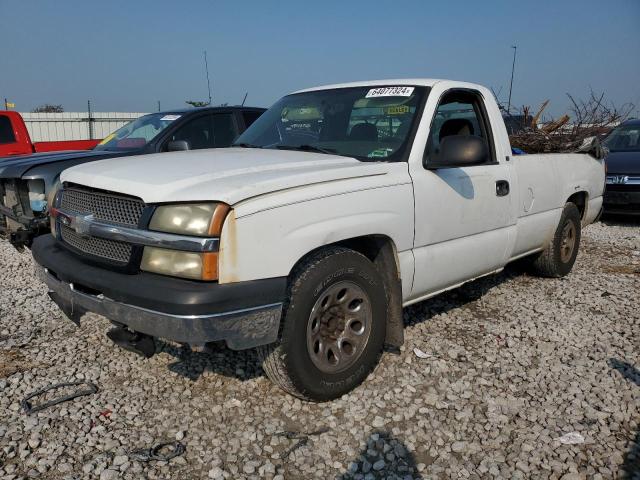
(338, 207)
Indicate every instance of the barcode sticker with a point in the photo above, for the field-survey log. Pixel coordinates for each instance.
(390, 92)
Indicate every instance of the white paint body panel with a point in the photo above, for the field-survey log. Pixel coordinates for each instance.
(447, 226)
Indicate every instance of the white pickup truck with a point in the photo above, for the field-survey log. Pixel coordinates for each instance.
(334, 210)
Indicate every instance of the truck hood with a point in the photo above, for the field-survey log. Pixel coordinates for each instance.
(229, 175)
(18, 166)
(623, 163)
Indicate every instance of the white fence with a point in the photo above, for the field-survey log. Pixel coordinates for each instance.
(46, 127)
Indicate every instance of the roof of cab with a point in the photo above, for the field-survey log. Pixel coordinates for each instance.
(421, 82)
(418, 82)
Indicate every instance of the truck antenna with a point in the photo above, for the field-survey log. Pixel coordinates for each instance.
(513, 67)
(245, 98)
(206, 67)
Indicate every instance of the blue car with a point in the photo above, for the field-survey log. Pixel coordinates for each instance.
(622, 195)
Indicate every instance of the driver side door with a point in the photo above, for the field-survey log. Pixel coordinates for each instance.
(461, 218)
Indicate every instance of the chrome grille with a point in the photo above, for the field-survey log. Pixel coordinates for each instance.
(106, 207)
(99, 247)
(103, 206)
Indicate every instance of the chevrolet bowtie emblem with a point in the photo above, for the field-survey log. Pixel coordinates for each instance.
(81, 224)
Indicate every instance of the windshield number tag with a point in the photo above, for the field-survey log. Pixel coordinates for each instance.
(390, 92)
(170, 118)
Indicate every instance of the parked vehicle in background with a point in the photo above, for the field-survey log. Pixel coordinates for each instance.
(622, 195)
(15, 139)
(26, 181)
(341, 205)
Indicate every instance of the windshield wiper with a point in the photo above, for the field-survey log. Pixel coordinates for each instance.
(307, 148)
(246, 145)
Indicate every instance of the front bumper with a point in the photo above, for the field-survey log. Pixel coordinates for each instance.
(244, 314)
(622, 201)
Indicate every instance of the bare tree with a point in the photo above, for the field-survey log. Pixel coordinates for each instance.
(196, 103)
(48, 108)
(593, 117)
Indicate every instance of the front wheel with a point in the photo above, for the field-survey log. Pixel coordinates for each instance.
(559, 256)
(333, 326)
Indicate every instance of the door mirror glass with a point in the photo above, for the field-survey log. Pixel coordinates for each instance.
(459, 151)
(178, 146)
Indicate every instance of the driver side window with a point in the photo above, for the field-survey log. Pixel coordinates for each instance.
(459, 113)
(198, 133)
(207, 131)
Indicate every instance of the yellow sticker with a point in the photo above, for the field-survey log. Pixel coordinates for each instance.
(397, 110)
(107, 138)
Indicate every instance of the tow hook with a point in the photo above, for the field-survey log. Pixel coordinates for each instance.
(136, 342)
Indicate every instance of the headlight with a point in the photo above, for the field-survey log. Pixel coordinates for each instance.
(198, 219)
(37, 199)
(194, 219)
(196, 266)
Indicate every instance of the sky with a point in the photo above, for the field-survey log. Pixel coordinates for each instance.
(127, 55)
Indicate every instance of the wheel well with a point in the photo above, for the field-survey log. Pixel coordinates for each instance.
(580, 201)
(381, 250)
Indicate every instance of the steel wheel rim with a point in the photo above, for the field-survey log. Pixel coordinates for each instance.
(568, 242)
(339, 327)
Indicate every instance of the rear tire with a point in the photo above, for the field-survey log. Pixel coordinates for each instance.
(559, 256)
(333, 326)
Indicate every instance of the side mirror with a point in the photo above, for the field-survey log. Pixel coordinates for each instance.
(459, 151)
(178, 146)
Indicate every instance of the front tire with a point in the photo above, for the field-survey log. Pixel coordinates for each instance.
(333, 326)
(559, 256)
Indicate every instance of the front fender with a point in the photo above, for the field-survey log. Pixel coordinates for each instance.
(269, 243)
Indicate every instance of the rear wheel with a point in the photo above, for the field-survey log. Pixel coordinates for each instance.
(333, 326)
(559, 256)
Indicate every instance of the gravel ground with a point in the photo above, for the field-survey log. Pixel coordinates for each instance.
(509, 371)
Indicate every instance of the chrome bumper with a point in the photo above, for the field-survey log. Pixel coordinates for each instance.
(241, 329)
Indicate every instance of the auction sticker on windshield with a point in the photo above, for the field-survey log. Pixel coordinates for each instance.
(390, 92)
(170, 118)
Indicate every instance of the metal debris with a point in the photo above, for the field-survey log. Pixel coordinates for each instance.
(29, 408)
(155, 453)
(302, 439)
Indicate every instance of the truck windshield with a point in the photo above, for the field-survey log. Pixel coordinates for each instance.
(624, 139)
(368, 123)
(138, 133)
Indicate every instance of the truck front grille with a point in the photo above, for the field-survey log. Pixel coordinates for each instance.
(106, 207)
(103, 206)
(98, 247)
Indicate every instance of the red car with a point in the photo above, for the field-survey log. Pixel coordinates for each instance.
(15, 140)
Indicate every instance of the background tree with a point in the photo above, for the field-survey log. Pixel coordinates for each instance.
(48, 108)
(196, 103)
(593, 117)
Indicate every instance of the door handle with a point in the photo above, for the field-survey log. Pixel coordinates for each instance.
(502, 188)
